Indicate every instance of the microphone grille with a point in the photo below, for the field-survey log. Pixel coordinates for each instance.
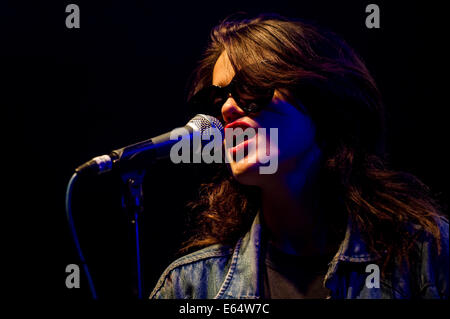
(205, 123)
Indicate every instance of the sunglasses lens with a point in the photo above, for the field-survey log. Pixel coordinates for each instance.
(210, 100)
(251, 99)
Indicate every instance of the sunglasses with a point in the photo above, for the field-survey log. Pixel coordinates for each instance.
(210, 99)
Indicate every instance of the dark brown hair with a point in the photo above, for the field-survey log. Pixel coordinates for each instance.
(317, 68)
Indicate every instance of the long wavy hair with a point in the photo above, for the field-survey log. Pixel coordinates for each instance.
(315, 69)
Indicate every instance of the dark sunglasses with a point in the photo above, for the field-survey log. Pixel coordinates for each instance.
(210, 99)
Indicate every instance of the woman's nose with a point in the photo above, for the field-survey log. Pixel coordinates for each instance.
(231, 111)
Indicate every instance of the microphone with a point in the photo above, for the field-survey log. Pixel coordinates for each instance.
(148, 151)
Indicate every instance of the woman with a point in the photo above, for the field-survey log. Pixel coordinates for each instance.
(332, 221)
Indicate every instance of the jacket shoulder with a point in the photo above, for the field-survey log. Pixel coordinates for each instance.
(196, 275)
(434, 266)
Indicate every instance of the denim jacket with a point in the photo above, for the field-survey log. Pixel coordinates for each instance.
(221, 272)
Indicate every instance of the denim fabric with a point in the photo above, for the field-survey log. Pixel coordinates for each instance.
(220, 272)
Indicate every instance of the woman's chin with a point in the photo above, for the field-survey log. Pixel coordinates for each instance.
(246, 173)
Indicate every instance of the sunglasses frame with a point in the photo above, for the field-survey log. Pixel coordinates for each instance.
(210, 99)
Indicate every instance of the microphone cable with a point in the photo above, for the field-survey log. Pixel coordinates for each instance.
(74, 233)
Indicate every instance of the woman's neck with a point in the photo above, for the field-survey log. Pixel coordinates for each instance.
(290, 209)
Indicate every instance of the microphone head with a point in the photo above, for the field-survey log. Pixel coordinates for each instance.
(205, 124)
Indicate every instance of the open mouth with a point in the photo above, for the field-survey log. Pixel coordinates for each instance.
(241, 135)
(242, 149)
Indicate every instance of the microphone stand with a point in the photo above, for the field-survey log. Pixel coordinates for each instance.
(132, 203)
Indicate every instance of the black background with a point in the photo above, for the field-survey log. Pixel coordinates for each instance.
(71, 94)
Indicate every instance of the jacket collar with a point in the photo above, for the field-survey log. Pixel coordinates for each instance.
(242, 280)
(244, 274)
(353, 248)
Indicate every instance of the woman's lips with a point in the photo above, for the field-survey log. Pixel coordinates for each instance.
(241, 124)
(243, 146)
